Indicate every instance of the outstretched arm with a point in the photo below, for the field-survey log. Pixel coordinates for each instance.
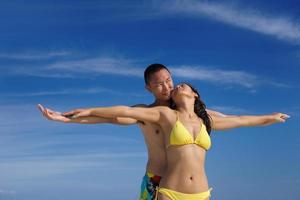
(142, 114)
(217, 113)
(223, 123)
(60, 117)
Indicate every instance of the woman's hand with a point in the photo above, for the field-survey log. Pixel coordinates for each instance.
(277, 117)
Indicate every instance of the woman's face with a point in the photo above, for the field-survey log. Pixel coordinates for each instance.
(182, 90)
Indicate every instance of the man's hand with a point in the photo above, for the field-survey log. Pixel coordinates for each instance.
(77, 113)
(70, 114)
(53, 115)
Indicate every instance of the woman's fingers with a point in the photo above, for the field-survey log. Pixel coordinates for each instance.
(285, 116)
(282, 117)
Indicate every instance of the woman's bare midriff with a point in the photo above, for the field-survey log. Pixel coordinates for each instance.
(186, 172)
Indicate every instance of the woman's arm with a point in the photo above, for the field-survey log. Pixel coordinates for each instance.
(60, 117)
(217, 113)
(223, 123)
(152, 114)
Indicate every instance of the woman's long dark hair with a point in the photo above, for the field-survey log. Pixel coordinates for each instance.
(199, 109)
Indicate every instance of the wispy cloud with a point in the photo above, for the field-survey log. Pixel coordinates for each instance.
(108, 65)
(228, 77)
(281, 27)
(82, 68)
(86, 68)
(6, 193)
(70, 91)
(34, 55)
(44, 166)
(216, 75)
(231, 110)
(124, 67)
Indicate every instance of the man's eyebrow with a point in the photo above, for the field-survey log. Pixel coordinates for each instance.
(157, 82)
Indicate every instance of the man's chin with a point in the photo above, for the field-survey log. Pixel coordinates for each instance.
(166, 97)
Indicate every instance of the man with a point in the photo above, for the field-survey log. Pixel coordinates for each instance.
(159, 82)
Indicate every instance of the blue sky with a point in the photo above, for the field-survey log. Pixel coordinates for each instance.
(242, 56)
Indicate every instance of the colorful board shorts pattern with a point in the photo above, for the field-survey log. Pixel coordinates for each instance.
(149, 186)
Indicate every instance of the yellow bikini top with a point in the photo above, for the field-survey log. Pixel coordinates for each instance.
(181, 136)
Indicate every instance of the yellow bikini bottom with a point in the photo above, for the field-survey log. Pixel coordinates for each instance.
(174, 195)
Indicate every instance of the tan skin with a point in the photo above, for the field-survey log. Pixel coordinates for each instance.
(185, 170)
(160, 85)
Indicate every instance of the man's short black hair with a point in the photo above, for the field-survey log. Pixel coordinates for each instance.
(151, 69)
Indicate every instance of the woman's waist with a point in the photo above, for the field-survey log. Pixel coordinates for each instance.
(185, 180)
(183, 173)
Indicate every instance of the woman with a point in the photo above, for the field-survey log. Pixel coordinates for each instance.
(187, 138)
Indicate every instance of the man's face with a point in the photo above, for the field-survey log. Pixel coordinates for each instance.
(161, 85)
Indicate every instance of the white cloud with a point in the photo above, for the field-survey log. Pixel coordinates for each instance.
(35, 167)
(34, 55)
(216, 75)
(82, 68)
(106, 65)
(126, 67)
(71, 91)
(7, 192)
(67, 92)
(231, 110)
(281, 27)
(87, 68)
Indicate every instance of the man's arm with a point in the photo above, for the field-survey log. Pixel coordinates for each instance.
(152, 114)
(57, 116)
(101, 120)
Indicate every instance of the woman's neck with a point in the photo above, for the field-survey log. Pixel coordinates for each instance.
(186, 107)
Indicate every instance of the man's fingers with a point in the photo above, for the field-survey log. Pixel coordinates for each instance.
(40, 107)
(71, 114)
(47, 114)
(68, 113)
(54, 112)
